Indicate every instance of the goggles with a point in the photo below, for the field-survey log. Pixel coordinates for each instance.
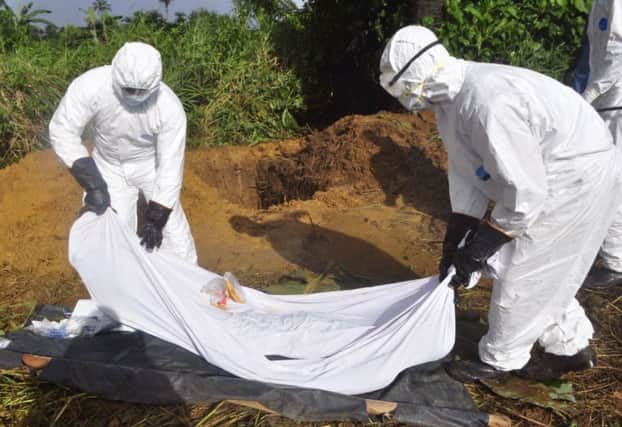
(131, 91)
(134, 96)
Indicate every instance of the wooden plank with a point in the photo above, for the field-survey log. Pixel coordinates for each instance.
(495, 420)
(374, 407)
(35, 362)
(252, 404)
(380, 407)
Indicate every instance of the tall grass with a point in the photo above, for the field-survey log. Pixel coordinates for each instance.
(233, 87)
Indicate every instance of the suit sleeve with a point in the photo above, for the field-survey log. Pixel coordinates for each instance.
(465, 198)
(170, 152)
(75, 111)
(511, 155)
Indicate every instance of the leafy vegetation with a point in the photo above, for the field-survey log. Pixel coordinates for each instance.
(344, 40)
(257, 73)
(543, 35)
(232, 85)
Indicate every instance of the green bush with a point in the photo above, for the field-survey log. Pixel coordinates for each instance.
(543, 35)
(225, 71)
(242, 78)
(343, 41)
(336, 46)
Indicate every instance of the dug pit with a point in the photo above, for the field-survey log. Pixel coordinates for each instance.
(363, 201)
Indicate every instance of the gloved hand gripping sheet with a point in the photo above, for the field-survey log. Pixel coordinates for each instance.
(349, 342)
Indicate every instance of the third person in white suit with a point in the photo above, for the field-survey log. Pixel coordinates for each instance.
(604, 92)
(545, 159)
(139, 141)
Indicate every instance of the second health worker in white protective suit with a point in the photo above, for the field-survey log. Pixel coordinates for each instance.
(604, 92)
(545, 158)
(139, 145)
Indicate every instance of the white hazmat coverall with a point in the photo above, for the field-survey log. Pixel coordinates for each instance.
(138, 141)
(546, 160)
(605, 93)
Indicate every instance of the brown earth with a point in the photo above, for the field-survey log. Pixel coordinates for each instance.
(346, 201)
(364, 201)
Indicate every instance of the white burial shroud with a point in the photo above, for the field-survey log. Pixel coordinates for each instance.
(351, 341)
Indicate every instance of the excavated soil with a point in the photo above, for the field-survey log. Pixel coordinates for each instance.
(363, 200)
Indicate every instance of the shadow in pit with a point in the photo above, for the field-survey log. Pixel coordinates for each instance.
(407, 172)
(353, 261)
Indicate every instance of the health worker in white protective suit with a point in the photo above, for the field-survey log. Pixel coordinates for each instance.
(604, 92)
(545, 158)
(139, 140)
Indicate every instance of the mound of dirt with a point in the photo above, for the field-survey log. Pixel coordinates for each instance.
(363, 200)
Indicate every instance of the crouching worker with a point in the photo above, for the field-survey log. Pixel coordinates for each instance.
(139, 139)
(545, 158)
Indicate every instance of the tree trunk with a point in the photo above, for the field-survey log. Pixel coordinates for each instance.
(426, 8)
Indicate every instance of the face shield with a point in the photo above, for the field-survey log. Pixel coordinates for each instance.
(414, 99)
(408, 93)
(396, 89)
(136, 73)
(133, 96)
(412, 95)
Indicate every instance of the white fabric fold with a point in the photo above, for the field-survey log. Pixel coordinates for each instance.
(351, 341)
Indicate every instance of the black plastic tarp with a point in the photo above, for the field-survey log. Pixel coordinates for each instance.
(137, 367)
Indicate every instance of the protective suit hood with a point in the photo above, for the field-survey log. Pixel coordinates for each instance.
(417, 70)
(136, 72)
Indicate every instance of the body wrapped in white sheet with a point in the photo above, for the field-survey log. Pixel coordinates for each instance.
(351, 342)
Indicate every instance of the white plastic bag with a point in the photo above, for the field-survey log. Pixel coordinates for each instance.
(221, 290)
(72, 327)
(4, 343)
(85, 320)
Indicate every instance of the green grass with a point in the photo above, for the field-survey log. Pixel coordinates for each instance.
(26, 400)
(225, 71)
(12, 316)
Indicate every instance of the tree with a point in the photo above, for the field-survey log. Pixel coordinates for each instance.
(426, 9)
(166, 4)
(343, 42)
(273, 8)
(16, 27)
(180, 17)
(91, 22)
(150, 17)
(97, 16)
(26, 16)
(102, 9)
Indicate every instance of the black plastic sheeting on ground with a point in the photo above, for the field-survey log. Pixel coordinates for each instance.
(137, 367)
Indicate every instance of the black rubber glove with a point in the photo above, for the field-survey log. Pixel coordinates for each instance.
(156, 216)
(457, 227)
(473, 255)
(97, 198)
